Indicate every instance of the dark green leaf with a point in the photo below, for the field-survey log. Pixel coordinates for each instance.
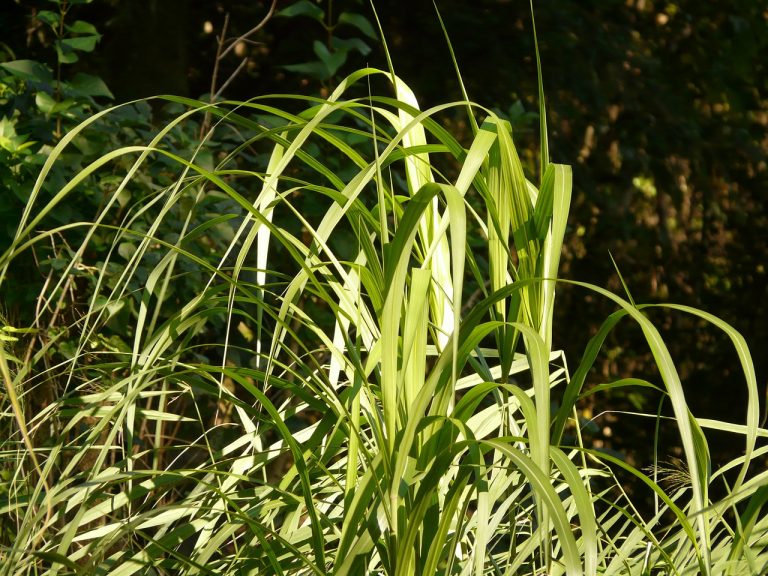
(303, 8)
(11, 141)
(88, 85)
(29, 70)
(314, 69)
(360, 22)
(65, 53)
(332, 60)
(49, 17)
(349, 44)
(82, 43)
(81, 27)
(44, 102)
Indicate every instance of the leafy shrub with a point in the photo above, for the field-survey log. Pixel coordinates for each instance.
(321, 394)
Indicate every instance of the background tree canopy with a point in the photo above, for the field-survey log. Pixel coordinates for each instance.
(661, 108)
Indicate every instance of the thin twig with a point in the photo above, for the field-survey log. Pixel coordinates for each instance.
(229, 80)
(220, 45)
(250, 32)
(222, 52)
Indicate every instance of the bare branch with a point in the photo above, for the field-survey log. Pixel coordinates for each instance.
(250, 32)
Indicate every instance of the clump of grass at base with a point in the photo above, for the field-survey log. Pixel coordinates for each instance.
(324, 403)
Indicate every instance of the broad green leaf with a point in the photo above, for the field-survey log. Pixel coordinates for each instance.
(316, 70)
(303, 8)
(349, 44)
(88, 85)
(29, 70)
(332, 60)
(82, 27)
(358, 21)
(66, 54)
(49, 17)
(45, 103)
(9, 139)
(81, 43)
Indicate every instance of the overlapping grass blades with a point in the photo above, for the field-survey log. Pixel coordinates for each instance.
(365, 423)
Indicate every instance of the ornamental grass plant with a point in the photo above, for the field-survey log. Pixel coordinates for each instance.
(328, 349)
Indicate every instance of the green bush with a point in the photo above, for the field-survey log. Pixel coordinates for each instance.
(320, 393)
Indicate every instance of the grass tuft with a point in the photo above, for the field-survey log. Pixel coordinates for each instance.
(329, 349)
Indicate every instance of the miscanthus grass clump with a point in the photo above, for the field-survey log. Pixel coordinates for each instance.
(327, 348)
